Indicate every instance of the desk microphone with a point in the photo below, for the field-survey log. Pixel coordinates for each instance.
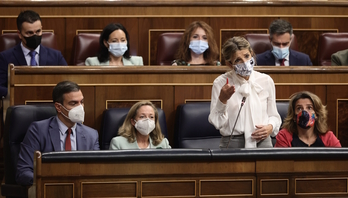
(241, 105)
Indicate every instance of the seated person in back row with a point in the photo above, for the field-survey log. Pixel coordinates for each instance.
(114, 48)
(340, 58)
(197, 46)
(140, 129)
(280, 37)
(305, 124)
(63, 132)
(29, 51)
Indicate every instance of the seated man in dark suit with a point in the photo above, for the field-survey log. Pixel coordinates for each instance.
(29, 51)
(63, 132)
(280, 37)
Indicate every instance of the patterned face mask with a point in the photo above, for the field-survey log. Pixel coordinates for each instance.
(245, 69)
(305, 120)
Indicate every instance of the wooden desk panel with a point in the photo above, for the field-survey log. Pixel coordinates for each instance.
(157, 177)
(170, 86)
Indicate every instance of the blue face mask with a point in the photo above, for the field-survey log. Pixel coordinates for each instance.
(280, 53)
(245, 69)
(198, 46)
(118, 49)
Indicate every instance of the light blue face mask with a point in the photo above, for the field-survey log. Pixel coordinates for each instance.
(245, 69)
(198, 46)
(118, 49)
(280, 53)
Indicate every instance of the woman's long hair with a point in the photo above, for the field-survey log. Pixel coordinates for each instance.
(184, 52)
(128, 131)
(320, 125)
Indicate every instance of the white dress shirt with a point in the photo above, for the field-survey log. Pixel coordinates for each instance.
(259, 108)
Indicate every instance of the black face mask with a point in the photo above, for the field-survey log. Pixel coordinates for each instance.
(33, 41)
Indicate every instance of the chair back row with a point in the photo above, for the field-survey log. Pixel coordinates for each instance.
(87, 45)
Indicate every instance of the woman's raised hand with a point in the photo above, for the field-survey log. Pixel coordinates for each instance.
(226, 92)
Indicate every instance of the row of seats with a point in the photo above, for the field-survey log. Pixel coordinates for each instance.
(87, 45)
(192, 129)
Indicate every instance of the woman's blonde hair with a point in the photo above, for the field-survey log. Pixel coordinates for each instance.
(210, 55)
(232, 45)
(320, 125)
(128, 131)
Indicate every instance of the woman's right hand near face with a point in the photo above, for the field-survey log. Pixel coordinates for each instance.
(226, 92)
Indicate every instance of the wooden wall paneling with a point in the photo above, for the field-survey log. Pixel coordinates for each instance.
(110, 189)
(97, 23)
(8, 24)
(43, 95)
(56, 190)
(337, 103)
(308, 40)
(58, 26)
(132, 93)
(160, 23)
(192, 93)
(228, 27)
(238, 186)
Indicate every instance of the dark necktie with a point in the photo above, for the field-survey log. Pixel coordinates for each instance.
(281, 61)
(68, 141)
(32, 58)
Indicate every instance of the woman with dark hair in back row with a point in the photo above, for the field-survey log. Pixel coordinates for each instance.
(114, 48)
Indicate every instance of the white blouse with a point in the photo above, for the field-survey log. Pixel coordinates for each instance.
(259, 108)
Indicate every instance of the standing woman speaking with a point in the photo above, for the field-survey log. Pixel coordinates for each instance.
(259, 118)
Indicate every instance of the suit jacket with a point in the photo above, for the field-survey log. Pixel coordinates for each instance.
(121, 143)
(47, 56)
(134, 60)
(44, 136)
(295, 59)
(340, 58)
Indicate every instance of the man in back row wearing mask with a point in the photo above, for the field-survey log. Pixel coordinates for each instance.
(29, 52)
(63, 132)
(280, 37)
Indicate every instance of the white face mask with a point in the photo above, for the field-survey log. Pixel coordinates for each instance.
(245, 69)
(145, 126)
(76, 114)
(118, 49)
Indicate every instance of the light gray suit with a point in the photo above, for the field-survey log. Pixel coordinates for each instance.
(134, 60)
(340, 58)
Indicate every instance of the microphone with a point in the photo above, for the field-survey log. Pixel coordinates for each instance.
(241, 105)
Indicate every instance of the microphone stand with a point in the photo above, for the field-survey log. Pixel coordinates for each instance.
(241, 105)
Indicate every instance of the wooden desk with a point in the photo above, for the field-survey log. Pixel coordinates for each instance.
(181, 173)
(145, 20)
(167, 87)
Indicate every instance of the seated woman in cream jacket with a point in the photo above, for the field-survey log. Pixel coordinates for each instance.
(140, 129)
(114, 48)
